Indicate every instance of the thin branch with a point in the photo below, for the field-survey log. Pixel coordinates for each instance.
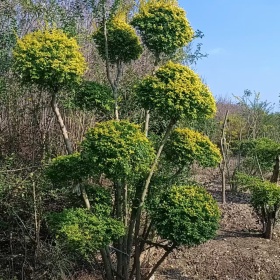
(157, 245)
(20, 169)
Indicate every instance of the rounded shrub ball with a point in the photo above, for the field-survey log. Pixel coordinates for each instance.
(186, 215)
(118, 149)
(186, 146)
(123, 42)
(163, 26)
(175, 92)
(49, 59)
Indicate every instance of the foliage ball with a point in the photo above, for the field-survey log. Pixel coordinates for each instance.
(265, 196)
(123, 42)
(186, 215)
(264, 149)
(163, 26)
(117, 149)
(66, 168)
(186, 146)
(90, 96)
(49, 59)
(175, 92)
(82, 231)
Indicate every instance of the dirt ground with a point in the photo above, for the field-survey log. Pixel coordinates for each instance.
(237, 253)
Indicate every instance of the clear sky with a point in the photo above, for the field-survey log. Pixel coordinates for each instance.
(242, 38)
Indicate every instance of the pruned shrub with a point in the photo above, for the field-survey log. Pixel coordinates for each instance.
(186, 215)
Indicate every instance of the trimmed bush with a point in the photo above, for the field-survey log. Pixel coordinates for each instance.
(92, 96)
(67, 168)
(118, 149)
(186, 146)
(265, 200)
(48, 59)
(186, 215)
(83, 231)
(176, 92)
(163, 27)
(123, 43)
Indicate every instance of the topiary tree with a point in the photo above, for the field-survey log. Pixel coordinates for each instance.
(120, 152)
(265, 199)
(52, 61)
(174, 92)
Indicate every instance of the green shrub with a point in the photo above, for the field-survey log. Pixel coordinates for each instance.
(186, 215)
(265, 195)
(265, 198)
(49, 59)
(123, 43)
(163, 27)
(176, 92)
(264, 150)
(84, 232)
(186, 146)
(68, 168)
(100, 200)
(90, 96)
(117, 149)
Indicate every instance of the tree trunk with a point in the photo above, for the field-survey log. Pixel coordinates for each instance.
(223, 163)
(268, 231)
(275, 174)
(114, 84)
(147, 120)
(85, 197)
(107, 264)
(136, 213)
(119, 212)
(63, 129)
(147, 112)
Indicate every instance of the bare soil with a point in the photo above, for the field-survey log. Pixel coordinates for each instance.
(237, 253)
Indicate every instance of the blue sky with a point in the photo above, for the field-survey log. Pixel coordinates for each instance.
(242, 38)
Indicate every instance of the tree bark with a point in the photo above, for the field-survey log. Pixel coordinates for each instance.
(147, 120)
(85, 197)
(136, 214)
(275, 174)
(107, 264)
(223, 163)
(268, 232)
(62, 126)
